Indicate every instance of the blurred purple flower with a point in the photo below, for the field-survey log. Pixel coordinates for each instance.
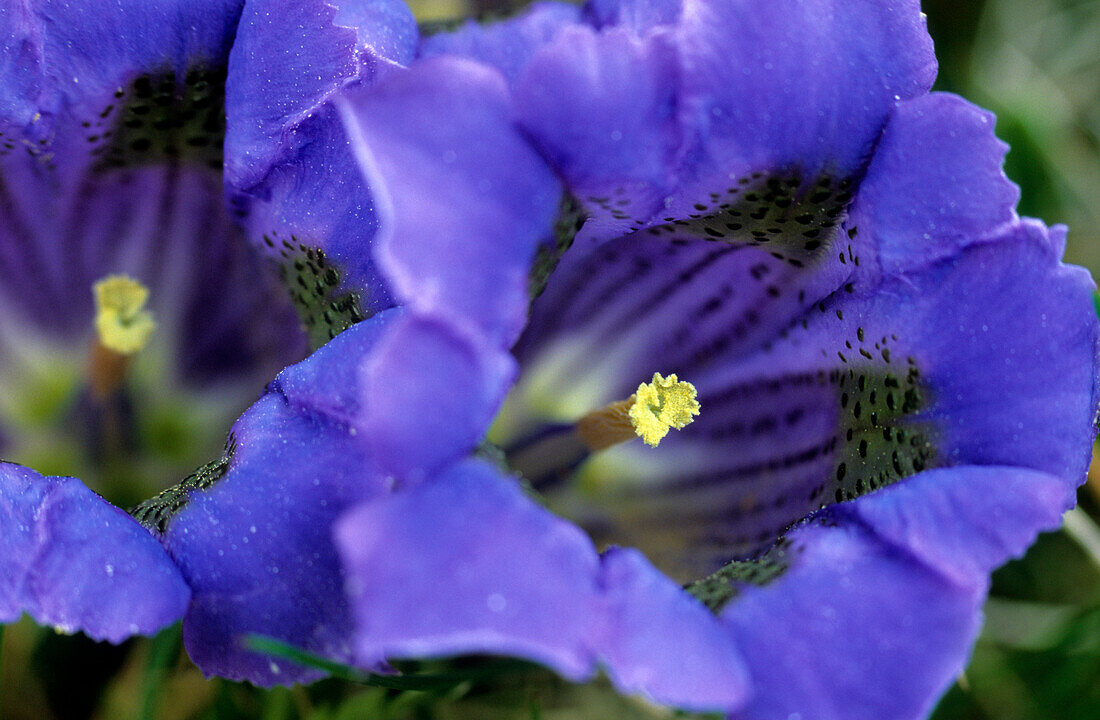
(113, 117)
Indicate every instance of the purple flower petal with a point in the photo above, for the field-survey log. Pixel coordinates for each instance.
(800, 90)
(116, 170)
(385, 27)
(662, 644)
(935, 183)
(380, 406)
(73, 561)
(428, 394)
(251, 546)
(287, 60)
(79, 54)
(251, 536)
(99, 85)
(638, 15)
(250, 550)
(468, 564)
(414, 364)
(892, 592)
(506, 45)
(854, 629)
(609, 319)
(806, 85)
(287, 156)
(603, 109)
(463, 200)
(329, 381)
(965, 521)
(168, 228)
(20, 66)
(1004, 393)
(318, 203)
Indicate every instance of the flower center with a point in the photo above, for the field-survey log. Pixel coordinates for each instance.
(121, 320)
(550, 457)
(812, 398)
(123, 327)
(163, 326)
(652, 411)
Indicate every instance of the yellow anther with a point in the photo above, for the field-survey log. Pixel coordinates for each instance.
(660, 405)
(650, 413)
(121, 321)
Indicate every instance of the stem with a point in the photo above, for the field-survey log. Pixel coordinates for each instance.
(418, 682)
(1085, 532)
(162, 651)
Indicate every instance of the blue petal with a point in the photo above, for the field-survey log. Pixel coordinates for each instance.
(385, 27)
(875, 614)
(507, 45)
(428, 394)
(329, 380)
(609, 319)
(662, 644)
(935, 183)
(83, 52)
(414, 363)
(317, 201)
(1004, 394)
(20, 66)
(286, 62)
(603, 109)
(252, 539)
(253, 549)
(108, 84)
(463, 200)
(638, 15)
(799, 89)
(855, 629)
(117, 170)
(73, 561)
(378, 407)
(468, 564)
(287, 157)
(798, 84)
(966, 521)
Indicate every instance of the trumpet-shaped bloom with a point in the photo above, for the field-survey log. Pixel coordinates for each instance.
(117, 122)
(897, 376)
(765, 201)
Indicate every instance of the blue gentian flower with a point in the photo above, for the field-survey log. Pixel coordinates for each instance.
(875, 435)
(897, 375)
(137, 322)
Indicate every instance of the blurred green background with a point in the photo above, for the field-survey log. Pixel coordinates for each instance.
(1036, 64)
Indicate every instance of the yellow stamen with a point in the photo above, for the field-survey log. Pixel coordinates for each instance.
(660, 405)
(121, 322)
(649, 413)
